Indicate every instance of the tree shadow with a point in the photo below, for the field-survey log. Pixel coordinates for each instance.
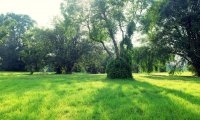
(140, 100)
(173, 78)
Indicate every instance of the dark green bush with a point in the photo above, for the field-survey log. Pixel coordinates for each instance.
(119, 69)
(92, 69)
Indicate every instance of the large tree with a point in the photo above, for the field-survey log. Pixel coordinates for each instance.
(116, 21)
(13, 27)
(66, 50)
(35, 50)
(175, 25)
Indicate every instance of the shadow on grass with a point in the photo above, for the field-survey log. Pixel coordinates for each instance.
(141, 101)
(182, 78)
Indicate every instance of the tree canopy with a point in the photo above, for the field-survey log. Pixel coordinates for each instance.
(174, 25)
(13, 28)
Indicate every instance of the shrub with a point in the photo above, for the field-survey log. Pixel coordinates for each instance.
(92, 69)
(119, 69)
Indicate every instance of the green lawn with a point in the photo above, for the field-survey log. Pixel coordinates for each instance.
(83, 96)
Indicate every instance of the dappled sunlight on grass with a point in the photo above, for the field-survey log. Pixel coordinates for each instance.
(187, 84)
(85, 96)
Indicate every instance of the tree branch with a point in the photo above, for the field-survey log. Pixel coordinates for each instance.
(111, 35)
(120, 26)
(106, 49)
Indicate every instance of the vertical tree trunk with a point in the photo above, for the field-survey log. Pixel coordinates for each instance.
(32, 70)
(111, 34)
(31, 73)
(196, 65)
(68, 69)
(114, 43)
(194, 45)
(58, 70)
(106, 49)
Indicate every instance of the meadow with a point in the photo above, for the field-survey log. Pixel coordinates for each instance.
(93, 97)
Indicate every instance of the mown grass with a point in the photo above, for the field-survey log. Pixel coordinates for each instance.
(84, 96)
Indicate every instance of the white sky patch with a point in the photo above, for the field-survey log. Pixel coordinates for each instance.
(42, 11)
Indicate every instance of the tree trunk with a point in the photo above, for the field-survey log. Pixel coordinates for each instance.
(68, 69)
(106, 49)
(32, 70)
(111, 34)
(196, 65)
(194, 45)
(58, 70)
(114, 43)
(31, 73)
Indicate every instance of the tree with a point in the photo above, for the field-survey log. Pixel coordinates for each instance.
(11, 40)
(95, 60)
(69, 42)
(65, 50)
(149, 58)
(34, 52)
(3, 29)
(176, 27)
(108, 18)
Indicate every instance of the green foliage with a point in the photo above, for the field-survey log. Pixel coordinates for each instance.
(66, 51)
(120, 19)
(149, 59)
(122, 67)
(95, 60)
(119, 69)
(67, 43)
(12, 30)
(34, 52)
(106, 27)
(144, 58)
(175, 27)
(78, 67)
(131, 28)
(191, 69)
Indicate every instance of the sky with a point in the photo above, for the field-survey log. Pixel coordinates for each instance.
(42, 11)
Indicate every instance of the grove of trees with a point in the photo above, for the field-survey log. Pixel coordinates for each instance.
(97, 36)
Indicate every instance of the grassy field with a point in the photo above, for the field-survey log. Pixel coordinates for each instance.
(83, 96)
